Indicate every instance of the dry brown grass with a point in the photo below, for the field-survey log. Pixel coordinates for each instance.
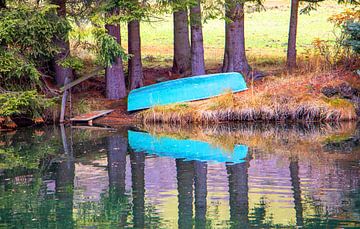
(278, 97)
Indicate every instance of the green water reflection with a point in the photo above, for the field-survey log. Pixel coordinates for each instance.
(292, 176)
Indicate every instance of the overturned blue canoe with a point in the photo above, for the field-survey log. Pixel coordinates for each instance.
(184, 90)
(186, 149)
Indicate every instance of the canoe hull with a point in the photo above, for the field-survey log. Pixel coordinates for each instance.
(185, 90)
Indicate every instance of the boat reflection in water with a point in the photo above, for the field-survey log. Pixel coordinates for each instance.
(186, 149)
(195, 177)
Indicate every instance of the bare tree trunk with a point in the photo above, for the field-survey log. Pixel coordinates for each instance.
(182, 52)
(115, 78)
(135, 66)
(291, 52)
(61, 73)
(197, 44)
(235, 56)
(64, 101)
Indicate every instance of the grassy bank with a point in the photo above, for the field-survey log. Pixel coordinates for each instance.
(281, 97)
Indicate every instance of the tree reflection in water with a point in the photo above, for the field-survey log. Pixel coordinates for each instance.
(185, 179)
(138, 188)
(200, 169)
(117, 204)
(295, 182)
(64, 183)
(238, 194)
(316, 174)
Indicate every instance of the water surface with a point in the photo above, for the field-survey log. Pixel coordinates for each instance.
(225, 176)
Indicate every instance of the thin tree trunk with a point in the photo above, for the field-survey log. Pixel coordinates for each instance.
(115, 78)
(235, 56)
(291, 52)
(64, 101)
(135, 64)
(61, 73)
(182, 52)
(197, 44)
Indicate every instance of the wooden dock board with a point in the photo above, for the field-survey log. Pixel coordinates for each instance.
(90, 116)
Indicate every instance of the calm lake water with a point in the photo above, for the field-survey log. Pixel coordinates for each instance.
(225, 176)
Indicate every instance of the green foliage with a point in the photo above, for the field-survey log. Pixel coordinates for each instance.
(352, 30)
(108, 49)
(72, 62)
(27, 103)
(31, 31)
(17, 73)
(28, 36)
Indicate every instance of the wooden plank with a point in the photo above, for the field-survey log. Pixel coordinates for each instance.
(80, 80)
(90, 116)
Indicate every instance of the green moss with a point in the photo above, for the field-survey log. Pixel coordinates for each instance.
(338, 102)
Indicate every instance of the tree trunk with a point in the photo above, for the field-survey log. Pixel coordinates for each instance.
(197, 44)
(182, 52)
(135, 65)
(115, 78)
(61, 73)
(291, 52)
(64, 101)
(235, 55)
